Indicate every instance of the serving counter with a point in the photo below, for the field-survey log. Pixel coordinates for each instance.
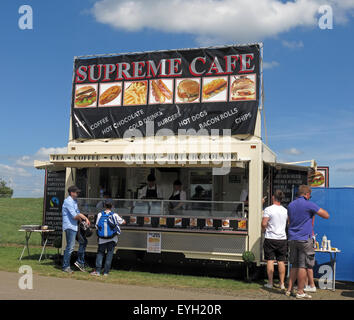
(200, 229)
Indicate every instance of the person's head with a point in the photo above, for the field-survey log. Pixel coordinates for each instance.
(305, 191)
(151, 180)
(278, 196)
(108, 205)
(177, 185)
(73, 191)
(199, 190)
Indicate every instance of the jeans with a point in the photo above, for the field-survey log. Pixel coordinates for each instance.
(109, 246)
(70, 243)
(81, 239)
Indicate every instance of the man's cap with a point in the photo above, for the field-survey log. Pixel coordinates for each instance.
(151, 177)
(73, 189)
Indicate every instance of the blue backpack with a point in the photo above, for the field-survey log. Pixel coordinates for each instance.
(107, 226)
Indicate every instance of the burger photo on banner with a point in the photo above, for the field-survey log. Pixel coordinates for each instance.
(110, 94)
(135, 93)
(243, 87)
(214, 89)
(317, 179)
(188, 90)
(85, 96)
(161, 91)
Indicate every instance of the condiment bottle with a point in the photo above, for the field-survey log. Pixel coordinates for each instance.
(324, 243)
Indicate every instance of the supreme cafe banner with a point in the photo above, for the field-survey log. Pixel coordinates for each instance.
(180, 90)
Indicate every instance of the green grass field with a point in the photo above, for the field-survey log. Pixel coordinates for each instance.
(16, 212)
(9, 262)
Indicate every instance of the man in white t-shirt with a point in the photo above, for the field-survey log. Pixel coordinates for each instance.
(275, 243)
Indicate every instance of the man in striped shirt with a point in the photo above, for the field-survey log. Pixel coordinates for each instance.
(106, 244)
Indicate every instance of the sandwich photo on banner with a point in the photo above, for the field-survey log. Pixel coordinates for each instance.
(214, 89)
(188, 90)
(110, 94)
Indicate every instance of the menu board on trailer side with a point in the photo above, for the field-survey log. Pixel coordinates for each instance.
(288, 180)
(54, 195)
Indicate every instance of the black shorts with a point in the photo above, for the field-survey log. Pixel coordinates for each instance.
(275, 249)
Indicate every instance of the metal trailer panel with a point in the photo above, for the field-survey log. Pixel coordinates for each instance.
(193, 245)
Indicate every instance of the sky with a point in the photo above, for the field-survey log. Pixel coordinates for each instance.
(308, 82)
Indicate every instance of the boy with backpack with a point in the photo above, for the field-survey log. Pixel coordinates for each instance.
(107, 225)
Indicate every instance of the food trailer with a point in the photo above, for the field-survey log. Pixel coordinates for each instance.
(192, 115)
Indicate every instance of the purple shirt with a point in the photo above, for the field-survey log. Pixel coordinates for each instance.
(300, 212)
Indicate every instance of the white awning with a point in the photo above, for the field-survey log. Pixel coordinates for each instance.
(290, 165)
(47, 165)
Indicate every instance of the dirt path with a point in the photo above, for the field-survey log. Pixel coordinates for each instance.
(69, 289)
(52, 288)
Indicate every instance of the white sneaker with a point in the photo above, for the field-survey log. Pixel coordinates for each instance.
(268, 285)
(310, 289)
(282, 287)
(303, 296)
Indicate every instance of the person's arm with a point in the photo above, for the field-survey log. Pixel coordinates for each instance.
(73, 210)
(315, 209)
(264, 223)
(81, 217)
(182, 196)
(119, 219)
(98, 219)
(323, 213)
(142, 193)
(159, 193)
(265, 219)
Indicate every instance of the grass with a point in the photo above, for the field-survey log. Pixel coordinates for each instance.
(9, 262)
(16, 212)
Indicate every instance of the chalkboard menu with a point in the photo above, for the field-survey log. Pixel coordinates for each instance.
(54, 194)
(288, 180)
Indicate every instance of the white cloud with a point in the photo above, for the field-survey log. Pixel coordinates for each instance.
(218, 20)
(25, 161)
(270, 65)
(22, 177)
(293, 44)
(42, 154)
(293, 152)
(10, 171)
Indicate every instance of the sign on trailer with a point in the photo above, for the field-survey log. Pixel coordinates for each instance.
(178, 90)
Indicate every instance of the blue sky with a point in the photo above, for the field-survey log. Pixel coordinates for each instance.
(308, 80)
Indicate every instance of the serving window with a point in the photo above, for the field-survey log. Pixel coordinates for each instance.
(212, 203)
